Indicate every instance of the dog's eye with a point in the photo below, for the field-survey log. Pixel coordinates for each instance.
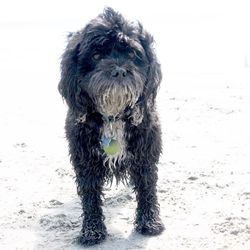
(97, 56)
(131, 55)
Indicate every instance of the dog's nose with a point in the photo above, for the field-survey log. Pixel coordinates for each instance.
(118, 72)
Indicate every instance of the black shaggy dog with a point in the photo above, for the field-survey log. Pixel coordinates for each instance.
(109, 79)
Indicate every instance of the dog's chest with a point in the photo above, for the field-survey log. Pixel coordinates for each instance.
(113, 133)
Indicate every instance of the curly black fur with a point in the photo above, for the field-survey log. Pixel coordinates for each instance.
(93, 53)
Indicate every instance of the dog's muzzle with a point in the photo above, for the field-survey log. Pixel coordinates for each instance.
(114, 92)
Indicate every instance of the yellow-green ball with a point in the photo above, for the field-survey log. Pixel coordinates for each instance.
(113, 148)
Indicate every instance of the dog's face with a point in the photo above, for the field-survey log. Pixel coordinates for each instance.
(112, 68)
(110, 65)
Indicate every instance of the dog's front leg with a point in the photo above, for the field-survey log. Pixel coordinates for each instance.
(83, 137)
(89, 188)
(147, 220)
(145, 146)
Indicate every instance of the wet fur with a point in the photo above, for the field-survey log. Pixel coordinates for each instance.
(138, 127)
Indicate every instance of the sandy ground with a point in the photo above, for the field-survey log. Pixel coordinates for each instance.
(204, 187)
(204, 171)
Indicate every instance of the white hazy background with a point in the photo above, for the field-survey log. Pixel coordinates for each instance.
(204, 105)
(196, 41)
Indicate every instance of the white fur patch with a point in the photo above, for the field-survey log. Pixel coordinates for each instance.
(114, 130)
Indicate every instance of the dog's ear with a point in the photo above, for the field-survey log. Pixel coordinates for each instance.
(68, 83)
(154, 75)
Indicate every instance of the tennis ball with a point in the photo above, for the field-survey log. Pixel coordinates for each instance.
(113, 148)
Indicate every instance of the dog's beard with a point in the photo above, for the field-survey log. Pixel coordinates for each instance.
(111, 96)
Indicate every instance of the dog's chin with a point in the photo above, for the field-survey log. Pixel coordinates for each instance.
(112, 97)
(110, 104)
(114, 102)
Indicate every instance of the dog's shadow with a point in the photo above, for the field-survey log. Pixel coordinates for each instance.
(61, 224)
(120, 210)
(133, 241)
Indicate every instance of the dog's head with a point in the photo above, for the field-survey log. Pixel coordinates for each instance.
(109, 65)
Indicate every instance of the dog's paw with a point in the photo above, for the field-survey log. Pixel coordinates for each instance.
(92, 235)
(150, 227)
